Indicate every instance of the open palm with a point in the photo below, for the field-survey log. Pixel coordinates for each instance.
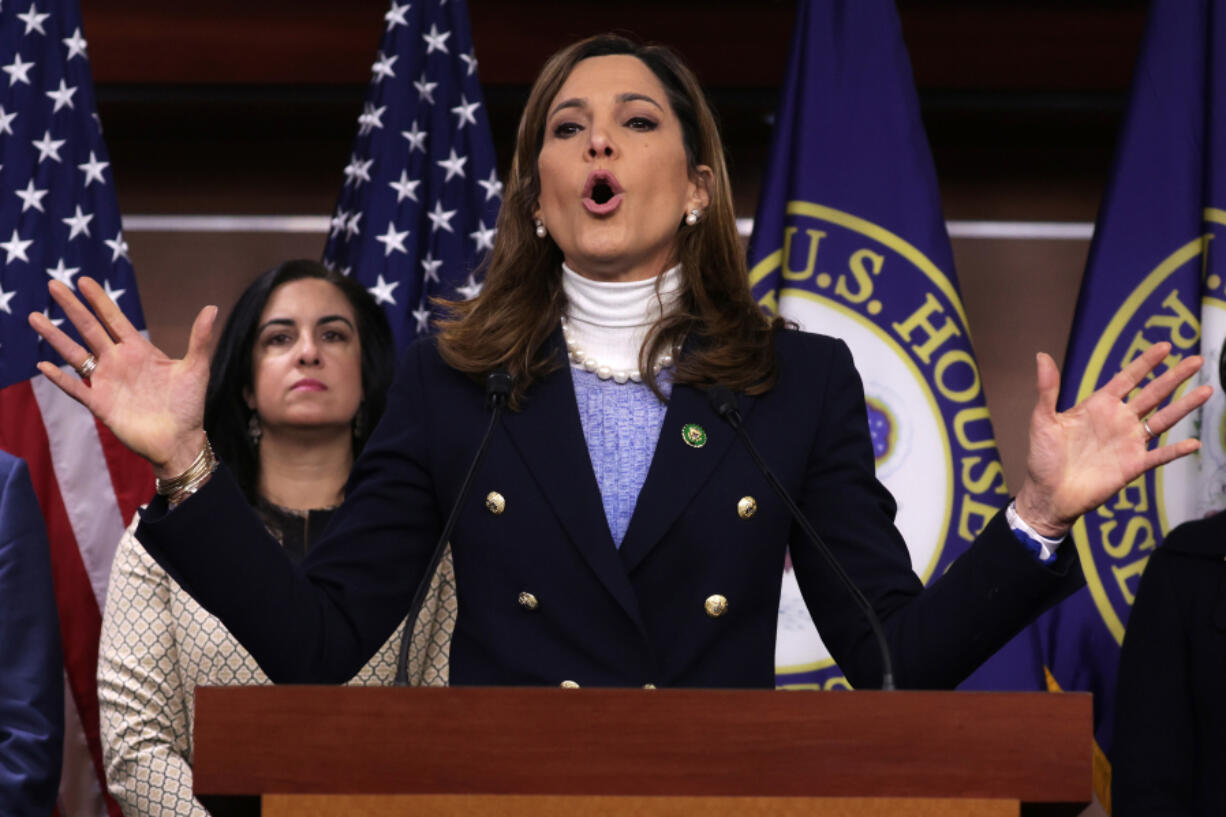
(153, 404)
(1079, 458)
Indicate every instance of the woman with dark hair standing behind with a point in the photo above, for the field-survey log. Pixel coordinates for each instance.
(619, 534)
(298, 381)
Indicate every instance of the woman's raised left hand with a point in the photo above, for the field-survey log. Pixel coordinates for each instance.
(1079, 458)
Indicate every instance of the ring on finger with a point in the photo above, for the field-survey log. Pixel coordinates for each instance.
(1149, 432)
(87, 367)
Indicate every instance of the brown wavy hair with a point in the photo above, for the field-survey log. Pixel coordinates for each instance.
(724, 336)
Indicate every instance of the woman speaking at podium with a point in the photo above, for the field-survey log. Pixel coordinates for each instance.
(616, 531)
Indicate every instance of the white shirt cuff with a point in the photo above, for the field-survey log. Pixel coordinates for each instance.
(1047, 545)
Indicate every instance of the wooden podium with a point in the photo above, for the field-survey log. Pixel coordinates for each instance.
(315, 751)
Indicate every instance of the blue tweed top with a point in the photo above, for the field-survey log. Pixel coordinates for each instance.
(621, 423)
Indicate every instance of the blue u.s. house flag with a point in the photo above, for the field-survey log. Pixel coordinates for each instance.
(1154, 274)
(418, 206)
(849, 240)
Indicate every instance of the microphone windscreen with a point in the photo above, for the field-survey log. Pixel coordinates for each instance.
(723, 402)
(498, 386)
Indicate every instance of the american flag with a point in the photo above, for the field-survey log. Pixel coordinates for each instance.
(59, 219)
(417, 208)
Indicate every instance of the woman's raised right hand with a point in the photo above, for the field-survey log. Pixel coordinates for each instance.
(153, 404)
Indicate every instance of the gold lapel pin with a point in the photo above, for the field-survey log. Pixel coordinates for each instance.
(694, 435)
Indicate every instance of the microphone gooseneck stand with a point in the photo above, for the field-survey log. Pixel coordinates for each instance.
(497, 388)
(724, 404)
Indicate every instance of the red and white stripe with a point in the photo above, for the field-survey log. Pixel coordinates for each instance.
(87, 485)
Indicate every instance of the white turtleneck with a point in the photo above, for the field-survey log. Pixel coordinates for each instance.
(609, 320)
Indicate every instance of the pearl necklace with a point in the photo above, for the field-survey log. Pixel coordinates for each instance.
(580, 358)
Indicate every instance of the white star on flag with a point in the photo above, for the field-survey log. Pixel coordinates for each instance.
(358, 171)
(338, 222)
(76, 45)
(15, 247)
(78, 224)
(93, 169)
(406, 188)
(63, 274)
(484, 236)
(352, 229)
(33, 20)
(492, 186)
(421, 315)
(470, 59)
(425, 90)
(416, 137)
(119, 247)
(113, 294)
(382, 290)
(470, 290)
(382, 68)
(430, 264)
(18, 71)
(440, 218)
(48, 147)
(6, 121)
(395, 15)
(370, 119)
(464, 112)
(62, 97)
(454, 165)
(5, 297)
(392, 240)
(31, 197)
(436, 40)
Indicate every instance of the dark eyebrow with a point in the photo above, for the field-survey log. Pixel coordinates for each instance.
(289, 322)
(569, 103)
(623, 98)
(333, 318)
(633, 97)
(274, 322)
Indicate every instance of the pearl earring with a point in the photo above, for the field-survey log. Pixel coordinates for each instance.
(691, 218)
(540, 229)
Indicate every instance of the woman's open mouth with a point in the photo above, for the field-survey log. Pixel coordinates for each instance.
(602, 194)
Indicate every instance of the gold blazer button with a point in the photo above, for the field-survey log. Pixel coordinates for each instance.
(494, 503)
(528, 601)
(746, 507)
(568, 685)
(716, 605)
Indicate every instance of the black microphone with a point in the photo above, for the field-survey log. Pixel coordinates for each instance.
(497, 389)
(724, 404)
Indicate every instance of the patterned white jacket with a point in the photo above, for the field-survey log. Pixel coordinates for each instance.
(158, 645)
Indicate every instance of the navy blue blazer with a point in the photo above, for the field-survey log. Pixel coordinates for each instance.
(31, 665)
(1169, 748)
(606, 616)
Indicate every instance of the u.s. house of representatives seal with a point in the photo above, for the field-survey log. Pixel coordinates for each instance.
(841, 275)
(1182, 301)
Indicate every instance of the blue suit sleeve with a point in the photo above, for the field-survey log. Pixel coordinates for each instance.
(31, 664)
